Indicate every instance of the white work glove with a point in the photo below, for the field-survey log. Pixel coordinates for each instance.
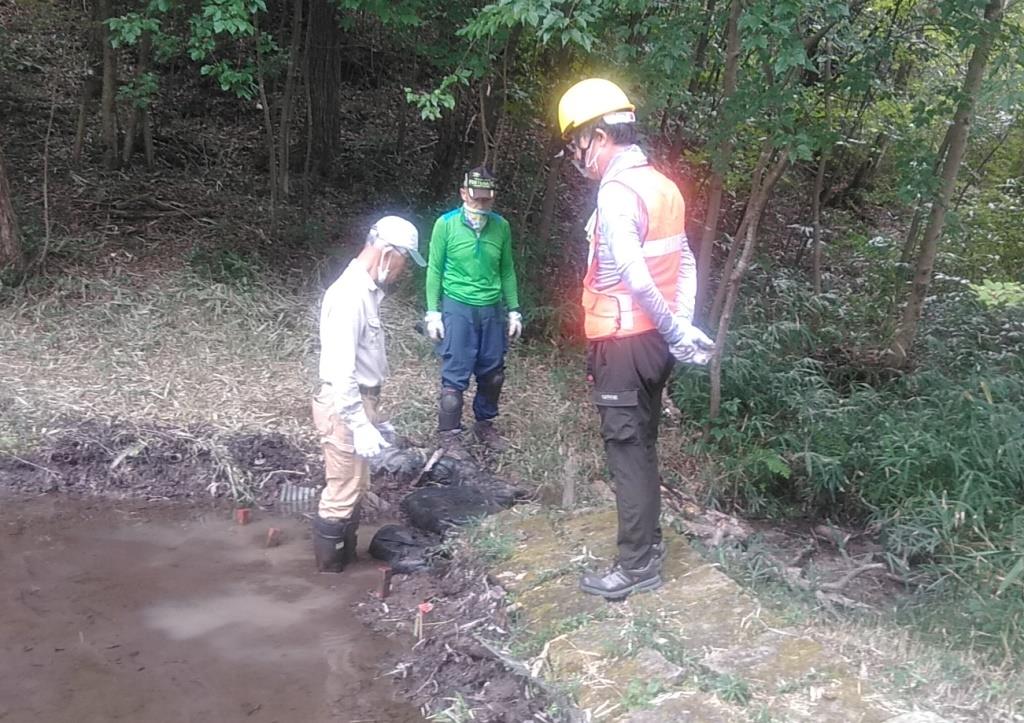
(387, 431)
(435, 327)
(694, 347)
(366, 439)
(515, 325)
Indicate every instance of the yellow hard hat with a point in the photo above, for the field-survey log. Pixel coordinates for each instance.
(588, 100)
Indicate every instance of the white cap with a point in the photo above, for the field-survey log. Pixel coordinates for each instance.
(398, 233)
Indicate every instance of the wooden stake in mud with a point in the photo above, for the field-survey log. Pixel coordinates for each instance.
(421, 612)
(384, 590)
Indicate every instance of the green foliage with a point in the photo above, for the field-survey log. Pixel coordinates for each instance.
(432, 104)
(812, 422)
(139, 91)
(567, 22)
(999, 293)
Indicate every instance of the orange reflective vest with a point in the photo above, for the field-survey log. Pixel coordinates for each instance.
(611, 312)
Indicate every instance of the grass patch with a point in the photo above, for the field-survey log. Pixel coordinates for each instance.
(641, 693)
(481, 542)
(526, 644)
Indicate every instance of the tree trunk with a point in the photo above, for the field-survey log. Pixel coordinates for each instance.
(135, 120)
(448, 151)
(323, 78)
(111, 160)
(721, 163)
(819, 185)
(959, 132)
(268, 123)
(910, 243)
(758, 203)
(11, 255)
(288, 101)
(92, 89)
(702, 45)
(92, 86)
(737, 242)
(147, 139)
(547, 207)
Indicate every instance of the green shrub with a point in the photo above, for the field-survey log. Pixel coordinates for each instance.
(812, 422)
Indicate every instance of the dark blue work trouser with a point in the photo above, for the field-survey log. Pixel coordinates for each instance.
(474, 344)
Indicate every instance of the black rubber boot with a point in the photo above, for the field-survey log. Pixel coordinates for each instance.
(619, 583)
(330, 543)
(348, 552)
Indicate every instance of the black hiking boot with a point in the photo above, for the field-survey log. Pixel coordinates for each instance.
(334, 543)
(619, 583)
(487, 434)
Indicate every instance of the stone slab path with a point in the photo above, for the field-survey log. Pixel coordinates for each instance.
(701, 648)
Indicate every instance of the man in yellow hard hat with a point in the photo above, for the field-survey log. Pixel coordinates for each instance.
(638, 297)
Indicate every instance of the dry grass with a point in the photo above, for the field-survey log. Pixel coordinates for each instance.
(956, 683)
(163, 349)
(169, 349)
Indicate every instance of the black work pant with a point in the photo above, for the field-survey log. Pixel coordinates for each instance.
(629, 377)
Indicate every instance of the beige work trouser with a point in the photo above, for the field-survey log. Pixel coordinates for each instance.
(347, 474)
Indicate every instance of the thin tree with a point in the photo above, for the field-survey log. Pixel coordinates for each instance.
(722, 157)
(11, 256)
(958, 134)
(108, 110)
(761, 192)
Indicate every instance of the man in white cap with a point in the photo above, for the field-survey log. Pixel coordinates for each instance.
(353, 365)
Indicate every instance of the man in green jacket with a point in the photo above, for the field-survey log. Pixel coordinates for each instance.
(469, 274)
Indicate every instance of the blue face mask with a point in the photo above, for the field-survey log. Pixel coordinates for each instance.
(475, 218)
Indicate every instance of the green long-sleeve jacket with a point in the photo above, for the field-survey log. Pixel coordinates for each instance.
(476, 270)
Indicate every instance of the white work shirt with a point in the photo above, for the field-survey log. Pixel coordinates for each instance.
(351, 339)
(623, 220)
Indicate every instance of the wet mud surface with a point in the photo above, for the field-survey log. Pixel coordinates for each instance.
(122, 610)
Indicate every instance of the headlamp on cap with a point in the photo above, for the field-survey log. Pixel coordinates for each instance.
(479, 185)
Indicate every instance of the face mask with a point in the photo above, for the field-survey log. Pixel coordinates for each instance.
(474, 217)
(587, 166)
(382, 271)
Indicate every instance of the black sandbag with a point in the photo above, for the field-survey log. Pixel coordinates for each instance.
(405, 549)
(435, 509)
(452, 472)
(403, 464)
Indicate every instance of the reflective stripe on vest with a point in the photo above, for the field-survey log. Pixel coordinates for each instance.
(611, 312)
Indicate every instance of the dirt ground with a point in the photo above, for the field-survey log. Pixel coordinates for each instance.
(123, 610)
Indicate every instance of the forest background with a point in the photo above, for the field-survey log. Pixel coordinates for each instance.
(854, 175)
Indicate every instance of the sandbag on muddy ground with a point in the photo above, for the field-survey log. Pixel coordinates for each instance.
(436, 509)
(407, 550)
